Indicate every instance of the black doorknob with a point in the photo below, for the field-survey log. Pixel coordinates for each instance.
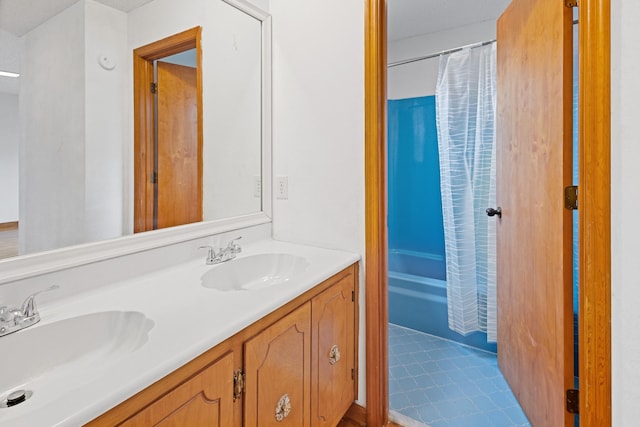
(494, 212)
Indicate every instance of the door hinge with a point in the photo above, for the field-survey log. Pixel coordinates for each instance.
(353, 373)
(154, 177)
(238, 384)
(573, 401)
(570, 3)
(571, 197)
(353, 296)
(154, 87)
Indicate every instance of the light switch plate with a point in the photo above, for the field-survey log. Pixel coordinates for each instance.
(282, 187)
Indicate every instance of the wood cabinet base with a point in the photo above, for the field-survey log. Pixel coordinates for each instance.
(299, 364)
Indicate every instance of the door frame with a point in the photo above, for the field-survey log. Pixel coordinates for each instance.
(595, 224)
(144, 116)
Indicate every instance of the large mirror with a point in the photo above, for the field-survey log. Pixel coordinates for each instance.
(69, 123)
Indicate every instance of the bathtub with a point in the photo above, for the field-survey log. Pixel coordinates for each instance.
(418, 297)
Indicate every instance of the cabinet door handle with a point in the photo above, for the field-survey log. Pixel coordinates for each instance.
(334, 355)
(238, 384)
(283, 408)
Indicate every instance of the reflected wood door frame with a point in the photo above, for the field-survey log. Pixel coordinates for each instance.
(143, 111)
(595, 224)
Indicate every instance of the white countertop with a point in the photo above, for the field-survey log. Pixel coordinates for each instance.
(188, 320)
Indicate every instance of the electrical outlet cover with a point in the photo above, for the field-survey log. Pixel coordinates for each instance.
(282, 187)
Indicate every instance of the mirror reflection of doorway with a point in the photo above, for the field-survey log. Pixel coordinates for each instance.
(177, 190)
(168, 132)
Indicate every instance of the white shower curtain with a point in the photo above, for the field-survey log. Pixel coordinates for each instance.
(465, 112)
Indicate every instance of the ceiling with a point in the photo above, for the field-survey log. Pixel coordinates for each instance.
(21, 16)
(406, 18)
(18, 17)
(409, 18)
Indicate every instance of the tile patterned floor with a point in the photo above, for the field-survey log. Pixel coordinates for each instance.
(445, 384)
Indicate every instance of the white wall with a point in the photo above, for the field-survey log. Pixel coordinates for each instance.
(52, 122)
(233, 105)
(71, 114)
(625, 205)
(318, 126)
(419, 78)
(262, 4)
(8, 157)
(10, 46)
(105, 35)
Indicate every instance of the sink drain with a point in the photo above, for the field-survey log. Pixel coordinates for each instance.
(15, 398)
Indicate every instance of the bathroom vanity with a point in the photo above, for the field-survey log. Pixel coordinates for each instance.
(296, 366)
(269, 337)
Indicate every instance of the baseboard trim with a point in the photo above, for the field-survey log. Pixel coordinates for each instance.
(6, 226)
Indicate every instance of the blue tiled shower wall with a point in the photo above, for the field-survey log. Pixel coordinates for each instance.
(417, 265)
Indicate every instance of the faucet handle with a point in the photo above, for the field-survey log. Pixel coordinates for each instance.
(235, 248)
(29, 308)
(9, 315)
(211, 255)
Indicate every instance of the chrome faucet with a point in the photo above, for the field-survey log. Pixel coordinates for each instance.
(14, 319)
(223, 254)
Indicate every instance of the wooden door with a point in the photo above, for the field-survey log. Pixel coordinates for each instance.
(204, 400)
(277, 372)
(179, 192)
(535, 319)
(333, 353)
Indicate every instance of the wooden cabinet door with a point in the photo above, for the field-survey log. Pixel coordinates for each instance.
(277, 371)
(333, 353)
(204, 400)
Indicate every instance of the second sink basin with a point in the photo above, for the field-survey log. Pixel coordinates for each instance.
(254, 272)
(67, 347)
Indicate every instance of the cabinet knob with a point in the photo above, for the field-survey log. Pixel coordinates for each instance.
(334, 355)
(283, 408)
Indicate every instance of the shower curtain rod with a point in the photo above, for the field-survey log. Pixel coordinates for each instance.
(435, 55)
(446, 52)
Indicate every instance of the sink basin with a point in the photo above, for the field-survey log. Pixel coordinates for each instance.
(254, 272)
(87, 341)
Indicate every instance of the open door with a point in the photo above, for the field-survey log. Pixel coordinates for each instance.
(179, 191)
(534, 159)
